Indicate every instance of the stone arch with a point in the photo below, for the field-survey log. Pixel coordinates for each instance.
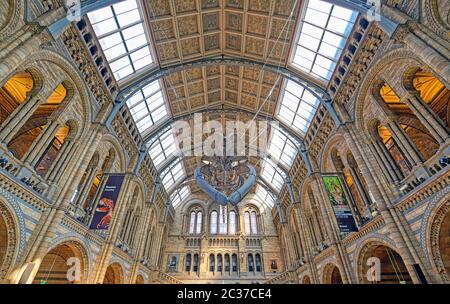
(15, 15)
(437, 17)
(56, 264)
(337, 141)
(438, 222)
(120, 153)
(114, 274)
(392, 266)
(9, 239)
(306, 279)
(139, 280)
(366, 86)
(331, 274)
(79, 85)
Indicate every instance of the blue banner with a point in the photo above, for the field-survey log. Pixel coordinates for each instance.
(105, 207)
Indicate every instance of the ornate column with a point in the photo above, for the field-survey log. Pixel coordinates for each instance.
(21, 114)
(332, 230)
(402, 139)
(404, 242)
(41, 143)
(427, 117)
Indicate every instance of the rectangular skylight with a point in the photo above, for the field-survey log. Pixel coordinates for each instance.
(264, 196)
(281, 149)
(120, 31)
(297, 107)
(174, 175)
(179, 196)
(163, 147)
(324, 31)
(148, 106)
(271, 175)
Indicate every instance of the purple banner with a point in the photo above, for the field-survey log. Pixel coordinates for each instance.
(105, 207)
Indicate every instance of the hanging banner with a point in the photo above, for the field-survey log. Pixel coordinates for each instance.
(340, 203)
(105, 207)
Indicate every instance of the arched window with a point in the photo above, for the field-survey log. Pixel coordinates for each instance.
(232, 224)
(247, 223)
(219, 263)
(212, 263)
(251, 266)
(198, 229)
(195, 269)
(45, 162)
(213, 223)
(188, 262)
(227, 262)
(251, 222)
(195, 221)
(258, 262)
(254, 223)
(192, 223)
(234, 262)
(222, 222)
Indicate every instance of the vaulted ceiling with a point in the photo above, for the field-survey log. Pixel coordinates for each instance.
(141, 35)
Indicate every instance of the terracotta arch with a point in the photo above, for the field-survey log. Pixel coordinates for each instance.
(8, 240)
(438, 237)
(65, 263)
(114, 274)
(139, 280)
(331, 274)
(392, 267)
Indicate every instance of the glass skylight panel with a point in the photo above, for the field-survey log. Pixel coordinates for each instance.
(324, 31)
(298, 106)
(281, 149)
(147, 106)
(163, 148)
(174, 175)
(120, 31)
(179, 196)
(271, 175)
(264, 196)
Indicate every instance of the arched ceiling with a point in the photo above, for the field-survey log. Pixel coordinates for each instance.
(172, 40)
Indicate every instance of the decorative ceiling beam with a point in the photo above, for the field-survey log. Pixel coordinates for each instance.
(155, 74)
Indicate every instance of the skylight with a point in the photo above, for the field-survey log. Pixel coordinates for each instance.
(120, 31)
(173, 175)
(179, 196)
(271, 175)
(324, 32)
(147, 106)
(163, 148)
(297, 107)
(265, 196)
(281, 149)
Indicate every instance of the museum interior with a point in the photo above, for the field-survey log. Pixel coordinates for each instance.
(116, 115)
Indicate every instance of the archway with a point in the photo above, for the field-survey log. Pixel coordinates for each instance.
(306, 280)
(140, 280)
(332, 275)
(392, 269)
(13, 93)
(439, 241)
(113, 274)
(37, 123)
(57, 266)
(8, 240)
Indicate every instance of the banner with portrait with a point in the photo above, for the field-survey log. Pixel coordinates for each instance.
(105, 207)
(340, 203)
